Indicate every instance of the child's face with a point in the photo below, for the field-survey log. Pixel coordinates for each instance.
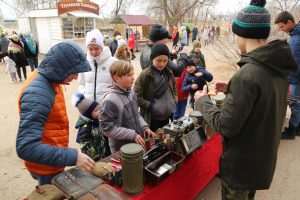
(191, 69)
(125, 81)
(197, 49)
(160, 62)
(96, 112)
(94, 50)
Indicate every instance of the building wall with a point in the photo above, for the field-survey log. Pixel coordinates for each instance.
(48, 32)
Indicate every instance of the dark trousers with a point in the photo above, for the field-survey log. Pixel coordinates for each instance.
(19, 72)
(230, 193)
(33, 62)
(180, 109)
(2, 56)
(175, 42)
(132, 54)
(43, 179)
(156, 124)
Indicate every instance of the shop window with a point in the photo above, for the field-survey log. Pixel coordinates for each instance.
(76, 27)
(79, 28)
(89, 24)
(67, 28)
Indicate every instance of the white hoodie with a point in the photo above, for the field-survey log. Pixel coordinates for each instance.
(10, 66)
(86, 80)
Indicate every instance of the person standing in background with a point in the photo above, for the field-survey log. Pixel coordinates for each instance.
(194, 33)
(131, 43)
(3, 46)
(175, 36)
(113, 45)
(31, 51)
(16, 53)
(188, 32)
(285, 22)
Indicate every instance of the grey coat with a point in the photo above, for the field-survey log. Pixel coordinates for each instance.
(120, 120)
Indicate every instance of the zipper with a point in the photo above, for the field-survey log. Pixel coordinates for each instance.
(95, 83)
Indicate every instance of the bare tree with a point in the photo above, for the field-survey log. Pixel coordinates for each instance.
(118, 6)
(175, 11)
(22, 7)
(284, 5)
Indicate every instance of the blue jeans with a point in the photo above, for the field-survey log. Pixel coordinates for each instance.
(180, 109)
(295, 107)
(33, 62)
(43, 179)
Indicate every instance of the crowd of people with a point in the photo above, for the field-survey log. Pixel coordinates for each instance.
(208, 35)
(114, 109)
(19, 51)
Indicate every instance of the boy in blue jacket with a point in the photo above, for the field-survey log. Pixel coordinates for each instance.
(195, 79)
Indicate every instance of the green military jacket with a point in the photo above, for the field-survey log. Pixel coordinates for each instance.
(252, 115)
(144, 89)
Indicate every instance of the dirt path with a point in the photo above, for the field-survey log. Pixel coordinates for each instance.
(16, 183)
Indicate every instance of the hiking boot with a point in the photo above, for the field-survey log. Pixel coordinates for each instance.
(289, 133)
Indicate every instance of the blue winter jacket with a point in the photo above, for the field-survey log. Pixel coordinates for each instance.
(190, 79)
(36, 103)
(295, 47)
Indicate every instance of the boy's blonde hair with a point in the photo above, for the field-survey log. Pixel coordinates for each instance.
(196, 44)
(120, 68)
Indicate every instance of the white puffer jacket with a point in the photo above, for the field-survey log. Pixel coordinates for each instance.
(87, 80)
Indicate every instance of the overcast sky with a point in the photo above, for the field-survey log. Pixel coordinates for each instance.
(224, 6)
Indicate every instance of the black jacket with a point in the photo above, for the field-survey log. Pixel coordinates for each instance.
(252, 116)
(113, 45)
(28, 53)
(177, 69)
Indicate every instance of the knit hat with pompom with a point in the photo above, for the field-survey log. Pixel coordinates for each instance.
(85, 106)
(254, 21)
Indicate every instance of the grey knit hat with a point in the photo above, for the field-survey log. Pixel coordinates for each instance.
(85, 106)
(254, 21)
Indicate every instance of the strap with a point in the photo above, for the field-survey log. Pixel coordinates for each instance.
(72, 178)
(95, 83)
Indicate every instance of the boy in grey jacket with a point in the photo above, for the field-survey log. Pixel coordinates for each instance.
(120, 120)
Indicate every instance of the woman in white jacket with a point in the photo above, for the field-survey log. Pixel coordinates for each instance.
(94, 82)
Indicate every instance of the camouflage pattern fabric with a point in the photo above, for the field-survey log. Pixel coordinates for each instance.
(230, 193)
(91, 139)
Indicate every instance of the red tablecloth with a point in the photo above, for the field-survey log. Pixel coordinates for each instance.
(187, 181)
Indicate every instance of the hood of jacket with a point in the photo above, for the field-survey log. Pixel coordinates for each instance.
(115, 88)
(62, 60)
(105, 55)
(275, 57)
(84, 120)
